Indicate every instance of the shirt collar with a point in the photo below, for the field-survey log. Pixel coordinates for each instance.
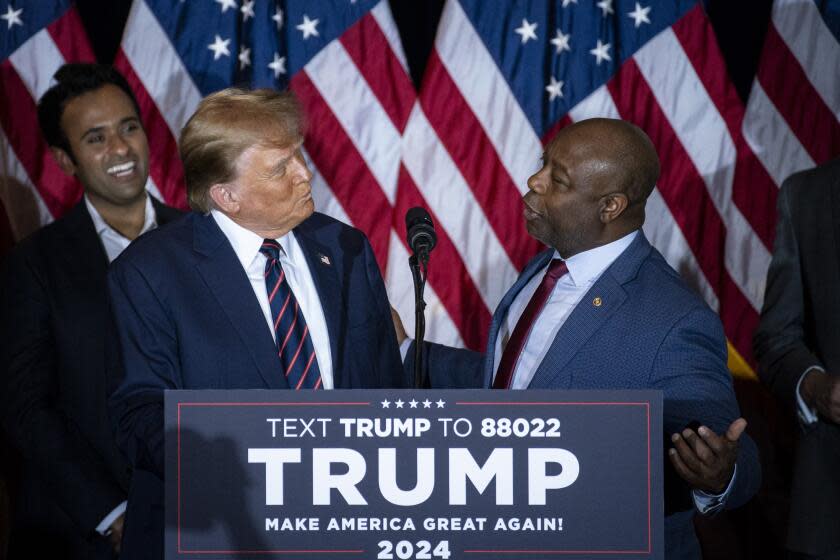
(246, 244)
(586, 267)
(100, 225)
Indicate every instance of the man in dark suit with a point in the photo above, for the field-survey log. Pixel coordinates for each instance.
(601, 309)
(252, 290)
(798, 348)
(53, 385)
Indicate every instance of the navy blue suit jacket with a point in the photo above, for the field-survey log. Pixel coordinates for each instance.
(650, 332)
(187, 318)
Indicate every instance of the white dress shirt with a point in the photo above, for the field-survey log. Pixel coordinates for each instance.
(115, 243)
(246, 244)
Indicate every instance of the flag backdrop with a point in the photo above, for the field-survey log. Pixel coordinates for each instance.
(502, 79)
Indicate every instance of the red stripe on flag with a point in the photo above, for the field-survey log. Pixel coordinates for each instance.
(68, 33)
(461, 133)
(685, 193)
(557, 127)
(787, 85)
(344, 169)
(164, 162)
(376, 61)
(753, 190)
(19, 119)
(447, 274)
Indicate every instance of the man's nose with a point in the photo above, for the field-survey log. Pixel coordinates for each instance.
(118, 145)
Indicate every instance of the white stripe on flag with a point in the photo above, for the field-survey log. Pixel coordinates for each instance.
(322, 195)
(488, 94)
(36, 61)
(771, 139)
(451, 199)
(357, 108)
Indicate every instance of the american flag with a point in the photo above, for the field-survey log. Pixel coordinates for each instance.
(502, 79)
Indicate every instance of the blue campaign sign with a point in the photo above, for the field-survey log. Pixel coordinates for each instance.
(386, 474)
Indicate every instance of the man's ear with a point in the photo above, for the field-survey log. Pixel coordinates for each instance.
(612, 206)
(65, 162)
(224, 198)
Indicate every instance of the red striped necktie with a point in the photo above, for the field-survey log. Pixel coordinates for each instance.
(294, 343)
(504, 375)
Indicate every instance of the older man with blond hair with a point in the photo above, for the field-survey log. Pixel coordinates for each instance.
(252, 290)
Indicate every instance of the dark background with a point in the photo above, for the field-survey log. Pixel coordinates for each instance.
(739, 24)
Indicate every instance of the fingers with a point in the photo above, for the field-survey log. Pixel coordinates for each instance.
(736, 429)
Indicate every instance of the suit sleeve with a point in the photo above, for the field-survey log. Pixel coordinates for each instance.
(148, 347)
(75, 474)
(690, 369)
(779, 342)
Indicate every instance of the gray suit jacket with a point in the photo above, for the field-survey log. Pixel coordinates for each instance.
(800, 328)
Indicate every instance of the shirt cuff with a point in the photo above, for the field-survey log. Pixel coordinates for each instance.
(711, 503)
(105, 524)
(807, 415)
(406, 344)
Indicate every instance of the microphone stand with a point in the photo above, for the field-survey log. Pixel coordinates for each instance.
(419, 315)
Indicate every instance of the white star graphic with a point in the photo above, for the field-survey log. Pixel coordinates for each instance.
(412, 403)
(12, 17)
(399, 403)
(639, 15)
(219, 48)
(225, 4)
(308, 27)
(386, 404)
(278, 18)
(244, 57)
(528, 31)
(601, 52)
(567, 2)
(278, 65)
(562, 42)
(247, 9)
(427, 404)
(606, 7)
(554, 89)
(440, 403)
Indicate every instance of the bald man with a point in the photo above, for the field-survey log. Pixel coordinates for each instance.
(601, 309)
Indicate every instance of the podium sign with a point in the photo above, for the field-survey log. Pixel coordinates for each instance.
(387, 474)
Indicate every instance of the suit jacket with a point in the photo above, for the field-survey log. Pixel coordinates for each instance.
(800, 328)
(53, 385)
(188, 318)
(650, 332)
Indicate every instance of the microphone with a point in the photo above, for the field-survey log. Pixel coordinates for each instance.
(420, 230)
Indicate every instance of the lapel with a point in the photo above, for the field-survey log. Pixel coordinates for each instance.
(222, 272)
(325, 277)
(834, 189)
(587, 318)
(536, 265)
(163, 213)
(80, 254)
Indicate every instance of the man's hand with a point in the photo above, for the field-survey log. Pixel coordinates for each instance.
(706, 460)
(115, 532)
(821, 390)
(398, 326)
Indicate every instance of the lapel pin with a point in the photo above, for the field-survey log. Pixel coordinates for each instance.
(597, 302)
(325, 259)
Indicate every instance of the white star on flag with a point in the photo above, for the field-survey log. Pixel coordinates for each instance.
(606, 7)
(279, 67)
(601, 52)
(244, 57)
(527, 30)
(247, 9)
(308, 27)
(562, 42)
(12, 17)
(278, 18)
(639, 15)
(554, 89)
(219, 48)
(225, 4)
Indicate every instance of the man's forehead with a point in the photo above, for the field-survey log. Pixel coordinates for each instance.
(103, 105)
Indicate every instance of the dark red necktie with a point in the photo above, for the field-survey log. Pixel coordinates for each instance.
(504, 375)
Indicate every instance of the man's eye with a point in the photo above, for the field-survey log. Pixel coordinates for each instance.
(131, 127)
(95, 138)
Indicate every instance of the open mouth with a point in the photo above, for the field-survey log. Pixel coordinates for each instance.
(122, 170)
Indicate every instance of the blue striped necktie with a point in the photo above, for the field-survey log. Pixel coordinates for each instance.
(295, 348)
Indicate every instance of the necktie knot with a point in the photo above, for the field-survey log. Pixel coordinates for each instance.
(556, 269)
(271, 249)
